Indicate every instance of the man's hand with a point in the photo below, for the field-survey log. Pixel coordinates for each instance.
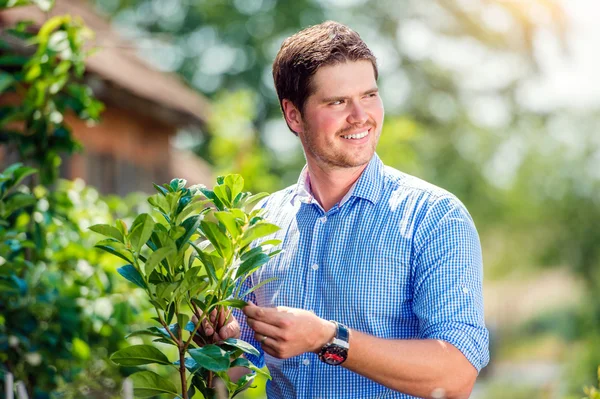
(217, 330)
(287, 332)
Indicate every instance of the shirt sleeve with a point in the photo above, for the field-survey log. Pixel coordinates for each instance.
(448, 280)
(247, 334)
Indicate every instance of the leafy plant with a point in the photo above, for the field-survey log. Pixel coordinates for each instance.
(192, 261)
(61, 313)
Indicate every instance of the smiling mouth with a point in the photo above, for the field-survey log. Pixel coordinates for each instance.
(356, 136)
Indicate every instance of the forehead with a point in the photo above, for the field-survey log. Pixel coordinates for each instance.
(345, 78)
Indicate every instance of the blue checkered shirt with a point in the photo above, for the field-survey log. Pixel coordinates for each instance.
(396, 258)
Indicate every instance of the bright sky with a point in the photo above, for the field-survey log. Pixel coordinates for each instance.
(570, 80)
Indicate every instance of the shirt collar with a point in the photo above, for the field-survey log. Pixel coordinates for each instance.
(368, 186)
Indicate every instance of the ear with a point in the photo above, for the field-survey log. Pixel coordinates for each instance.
(292, 115)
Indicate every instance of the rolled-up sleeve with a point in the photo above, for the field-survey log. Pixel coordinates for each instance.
(448, 280)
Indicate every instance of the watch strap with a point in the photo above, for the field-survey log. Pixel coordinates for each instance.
(341, 333)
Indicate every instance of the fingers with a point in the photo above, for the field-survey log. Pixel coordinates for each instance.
(262, 328)
(267, 315)
(270, 346)
(230, 330)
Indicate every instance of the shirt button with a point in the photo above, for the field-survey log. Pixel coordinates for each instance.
(465, 290)
(315, 267)
(306, 362)
(323, 219)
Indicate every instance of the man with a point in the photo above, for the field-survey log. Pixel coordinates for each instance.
(378, 293)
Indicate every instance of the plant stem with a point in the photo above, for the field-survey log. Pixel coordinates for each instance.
(184, 391)
(209, 379)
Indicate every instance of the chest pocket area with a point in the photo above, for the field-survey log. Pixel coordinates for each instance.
(382, 284)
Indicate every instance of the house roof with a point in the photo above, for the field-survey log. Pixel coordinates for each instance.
(116, 64)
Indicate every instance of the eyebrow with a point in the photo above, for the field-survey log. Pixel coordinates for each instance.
(338, 98)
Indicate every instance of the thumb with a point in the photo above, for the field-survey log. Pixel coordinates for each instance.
(230, 330)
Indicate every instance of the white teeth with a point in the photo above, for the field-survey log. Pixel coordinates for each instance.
(357, 135)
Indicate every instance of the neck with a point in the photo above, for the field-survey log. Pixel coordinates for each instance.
(330, 185)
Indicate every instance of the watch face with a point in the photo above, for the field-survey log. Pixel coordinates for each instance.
(334, 355)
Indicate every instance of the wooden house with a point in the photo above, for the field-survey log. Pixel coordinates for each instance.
(132, 146)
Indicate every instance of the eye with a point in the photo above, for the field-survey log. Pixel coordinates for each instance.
(337, 102)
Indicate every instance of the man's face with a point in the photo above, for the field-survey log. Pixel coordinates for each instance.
(342, 119)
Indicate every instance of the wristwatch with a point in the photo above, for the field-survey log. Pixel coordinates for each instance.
(335, 352)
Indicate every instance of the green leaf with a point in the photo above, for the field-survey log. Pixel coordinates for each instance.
(116, 249)
(211, 357)
(170, 313)
(178, 184)
(273, 242)
(159, 203)
(165, 290)
(224, 194)
(211, 196)
(229, 221)
(6, 80)
(243, 362)
(131, 274)
(252, 263)
(108, 231)
(209, 263)
(13, 60)
(257, 286)
(147, 384)
(155, 258)
(255, 198)
(239, 199)
(182, 319)
(33, 73)
(251, 253)
(259, 230)
(234, 303)
(141, 230)
(190, 365)
(138, 355)
(197, 206)
(17, 201)
(81, 349)
(121, 226)
(152, 331)
(191, 226)
(235, 183)
(244, 346)
(21, 173)
(8, 286)
(219, 240)
(276, 252)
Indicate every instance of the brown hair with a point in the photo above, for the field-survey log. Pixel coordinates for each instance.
(302, 54)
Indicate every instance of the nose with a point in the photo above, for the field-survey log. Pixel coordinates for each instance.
(357, 114)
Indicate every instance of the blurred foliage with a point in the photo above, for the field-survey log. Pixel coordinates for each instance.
(47, 86)
(61, 314)
(60, 310)
(593, 392)
(235, 144)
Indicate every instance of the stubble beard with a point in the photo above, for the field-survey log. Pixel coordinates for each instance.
(334, 157)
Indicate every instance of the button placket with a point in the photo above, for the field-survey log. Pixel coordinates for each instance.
(317, 238)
